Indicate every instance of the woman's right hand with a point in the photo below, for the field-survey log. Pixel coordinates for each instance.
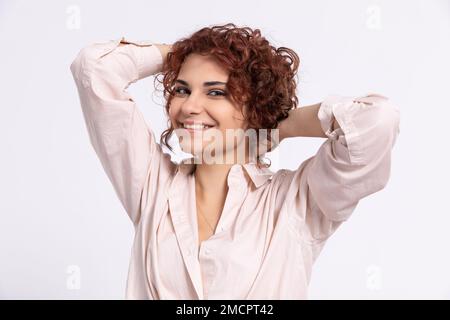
(164, 49)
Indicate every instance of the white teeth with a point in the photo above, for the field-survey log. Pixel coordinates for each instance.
(195, 126)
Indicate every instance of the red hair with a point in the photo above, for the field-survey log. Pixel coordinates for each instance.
(260, 75)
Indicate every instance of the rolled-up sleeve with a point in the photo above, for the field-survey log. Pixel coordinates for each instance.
(353, 162)
(120, 136)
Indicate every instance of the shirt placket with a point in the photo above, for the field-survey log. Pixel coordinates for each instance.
(180, 206)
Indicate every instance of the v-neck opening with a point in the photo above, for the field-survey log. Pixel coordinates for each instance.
(196, 224)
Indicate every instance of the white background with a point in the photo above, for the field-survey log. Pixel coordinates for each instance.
(64, 233)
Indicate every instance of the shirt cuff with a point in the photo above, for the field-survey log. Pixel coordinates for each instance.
(341, 108)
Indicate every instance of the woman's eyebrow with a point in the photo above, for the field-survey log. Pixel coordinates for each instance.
(206, 84)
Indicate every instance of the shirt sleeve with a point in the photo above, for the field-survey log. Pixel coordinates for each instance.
(351, 164)
(117, 130)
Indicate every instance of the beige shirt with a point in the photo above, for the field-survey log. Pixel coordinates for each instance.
(273, 225)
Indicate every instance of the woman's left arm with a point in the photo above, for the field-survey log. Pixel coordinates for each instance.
(351, 164)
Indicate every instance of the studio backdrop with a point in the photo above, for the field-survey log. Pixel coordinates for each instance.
(64, 234)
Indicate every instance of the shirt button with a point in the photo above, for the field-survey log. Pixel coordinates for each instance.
(207, 251)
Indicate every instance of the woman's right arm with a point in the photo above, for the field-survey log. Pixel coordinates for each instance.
(117, 130)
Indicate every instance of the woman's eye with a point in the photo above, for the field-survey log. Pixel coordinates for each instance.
(220, 93)
(177, 90)
(217, 92)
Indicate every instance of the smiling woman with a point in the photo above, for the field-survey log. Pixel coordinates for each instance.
(228, 230)
(250, 83)
(200, 103)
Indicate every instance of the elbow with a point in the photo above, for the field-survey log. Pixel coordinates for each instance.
(388, 121)
(82, 62)
(378, 125)
(385, 117)
(86, 59)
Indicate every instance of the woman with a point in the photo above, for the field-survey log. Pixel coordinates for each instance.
(228, 229)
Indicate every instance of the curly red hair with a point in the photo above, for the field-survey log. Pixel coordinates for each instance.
(260, 75)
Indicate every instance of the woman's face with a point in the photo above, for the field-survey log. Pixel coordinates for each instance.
(201, 98)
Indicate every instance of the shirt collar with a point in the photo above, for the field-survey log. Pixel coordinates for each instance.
(258, 175)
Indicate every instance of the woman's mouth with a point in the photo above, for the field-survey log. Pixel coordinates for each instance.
(195, 127)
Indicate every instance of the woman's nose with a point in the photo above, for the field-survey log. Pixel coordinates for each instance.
(192, 105)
